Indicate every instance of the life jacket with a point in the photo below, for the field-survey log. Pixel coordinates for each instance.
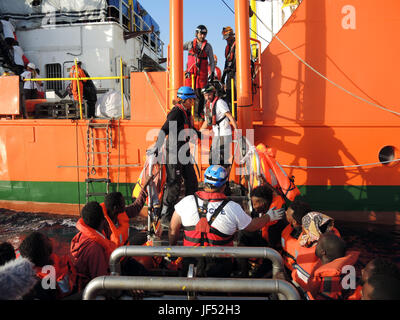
(266, 170)
(158, 181)
(74, 85)
(147, 261)
(217, 72)
(230, 52)
(211, 113)
(189, 122)
(306, 261)
(289, 247)
(197, 65)
(326, 283)
(203, 233)
(66, 275)
(357, 294)
(269, 170)
(98, 237)
(120, 233)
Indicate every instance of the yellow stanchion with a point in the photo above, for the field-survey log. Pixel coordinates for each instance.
(79, 89)
(122, 88)
(233, 97)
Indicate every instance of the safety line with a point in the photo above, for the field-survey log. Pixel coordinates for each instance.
(324, 77)
(152, 88)
(340, 167)
(250, 27)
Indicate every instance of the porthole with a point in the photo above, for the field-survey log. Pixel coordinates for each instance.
(387, 153)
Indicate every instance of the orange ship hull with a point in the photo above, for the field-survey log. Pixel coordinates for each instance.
(328, 133)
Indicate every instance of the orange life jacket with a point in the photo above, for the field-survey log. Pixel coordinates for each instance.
(120, 233)
(74, 83)
(230, 52)
(267, 170)
(197, 65)
(217, 72)
(306, 261)
(65, 275)
(289, 247)
(326, 279)
(195, 236)
(273, 173)
(89, 232)
(357, 294)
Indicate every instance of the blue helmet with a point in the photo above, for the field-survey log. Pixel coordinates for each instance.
(186, 93)
(215, 175)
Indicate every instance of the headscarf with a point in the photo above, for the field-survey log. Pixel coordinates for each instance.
(312, 224)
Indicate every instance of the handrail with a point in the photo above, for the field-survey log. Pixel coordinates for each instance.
(179, 251)
(260, 74)
(180, 284)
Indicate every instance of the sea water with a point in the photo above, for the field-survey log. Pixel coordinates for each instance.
(372, 240)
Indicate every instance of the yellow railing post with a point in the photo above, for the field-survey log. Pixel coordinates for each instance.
(122, 88)
(79, 89)
(233, 96)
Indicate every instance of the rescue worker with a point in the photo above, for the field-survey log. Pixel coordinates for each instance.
(229, 71)
(74, 83)
(290, 235)
(200, 57)
(208, 218)
(30, 87)
(179, 165)
(218, 116)
(261, 200)
(325, 282)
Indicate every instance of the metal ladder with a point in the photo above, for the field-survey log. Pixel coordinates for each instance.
(91, 153)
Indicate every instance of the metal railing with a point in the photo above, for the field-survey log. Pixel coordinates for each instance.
(179, 284)
(196, 252)
(121, 77)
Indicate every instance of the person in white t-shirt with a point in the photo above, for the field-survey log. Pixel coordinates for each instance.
(218, 115)
(30, 87)
(8, 32)
(208, 218)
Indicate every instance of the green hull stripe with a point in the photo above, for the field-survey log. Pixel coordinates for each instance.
(346, 198)
(352, 198)
(58, 192)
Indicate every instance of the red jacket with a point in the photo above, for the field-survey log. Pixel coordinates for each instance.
(90, 253)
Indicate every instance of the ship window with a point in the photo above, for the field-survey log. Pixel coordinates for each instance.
(53, 71)
(387, 153)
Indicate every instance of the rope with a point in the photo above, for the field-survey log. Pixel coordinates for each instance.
(231, 10)
(341, 167)
(152, 88)
(324, 77)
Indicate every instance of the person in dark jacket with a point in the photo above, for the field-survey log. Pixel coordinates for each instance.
(90, 95)
(179, 164)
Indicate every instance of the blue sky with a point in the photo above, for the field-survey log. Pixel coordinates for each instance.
(212, 13)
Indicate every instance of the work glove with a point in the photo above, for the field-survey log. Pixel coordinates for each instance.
(275, 214)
